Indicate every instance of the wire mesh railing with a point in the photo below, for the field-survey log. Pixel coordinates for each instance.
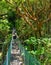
(28, 59)
(8, 55)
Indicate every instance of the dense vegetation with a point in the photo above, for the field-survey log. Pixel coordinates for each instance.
(32, 20)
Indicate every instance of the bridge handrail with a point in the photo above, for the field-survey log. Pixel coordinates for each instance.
(28, 59)
(8, 55)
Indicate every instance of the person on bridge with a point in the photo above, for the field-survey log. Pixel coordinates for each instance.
(14, 36)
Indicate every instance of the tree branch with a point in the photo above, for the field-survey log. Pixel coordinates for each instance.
(8, 2)
(28, 14)
(25, 18)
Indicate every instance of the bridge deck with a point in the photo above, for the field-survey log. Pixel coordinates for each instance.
(16, 58)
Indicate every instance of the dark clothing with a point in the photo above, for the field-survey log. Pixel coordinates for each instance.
(14, 37)
(14, 33)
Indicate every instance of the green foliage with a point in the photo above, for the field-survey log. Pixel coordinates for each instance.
(11, 17)
(6, 45)
(31, 40)
(3, 7)
(42, 48)
(4, 29)
(17, 11)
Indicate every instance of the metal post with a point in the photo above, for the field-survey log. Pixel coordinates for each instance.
(7, 59)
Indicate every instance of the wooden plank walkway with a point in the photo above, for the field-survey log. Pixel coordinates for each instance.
(16, 58)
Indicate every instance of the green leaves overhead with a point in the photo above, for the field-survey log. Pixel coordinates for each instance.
(11, 16)
(3, 7)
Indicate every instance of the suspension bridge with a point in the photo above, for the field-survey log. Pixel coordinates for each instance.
(18, 55)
